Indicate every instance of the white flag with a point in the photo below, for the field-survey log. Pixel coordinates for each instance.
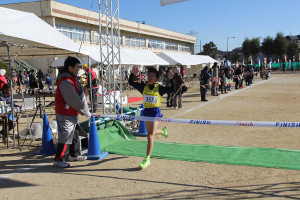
(168, 2)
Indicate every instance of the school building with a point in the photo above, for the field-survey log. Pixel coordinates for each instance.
(81, 24)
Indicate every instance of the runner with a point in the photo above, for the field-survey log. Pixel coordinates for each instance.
(152, 93)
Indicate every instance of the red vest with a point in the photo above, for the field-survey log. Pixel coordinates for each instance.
(61, 107)
(93, 73)
(2, 81)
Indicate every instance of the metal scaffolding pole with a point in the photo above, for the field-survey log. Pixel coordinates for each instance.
(110, 41)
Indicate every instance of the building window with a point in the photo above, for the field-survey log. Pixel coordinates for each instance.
(157, 44)
(184, 47)
(134, 42)
(171, 46)
(104, 38)
(75, 33)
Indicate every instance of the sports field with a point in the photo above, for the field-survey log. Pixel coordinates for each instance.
(24, 175)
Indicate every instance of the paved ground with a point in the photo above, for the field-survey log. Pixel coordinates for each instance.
(24, 175)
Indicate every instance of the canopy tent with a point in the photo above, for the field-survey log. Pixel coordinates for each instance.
(208, 59)
(177, 58)
(186, 59)
(83, 60)
(128, 56)
(143, 57)
(24, 35)
(28, 36)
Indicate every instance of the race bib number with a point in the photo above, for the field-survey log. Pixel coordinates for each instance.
(150, 99)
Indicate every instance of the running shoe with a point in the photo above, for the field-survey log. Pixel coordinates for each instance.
(145, 163)
(77, 158)
(164, 132)
(60, 164)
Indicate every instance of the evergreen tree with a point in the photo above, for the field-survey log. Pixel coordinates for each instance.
(210, 49)
(246, 48)
(267, 47)
(280, 46)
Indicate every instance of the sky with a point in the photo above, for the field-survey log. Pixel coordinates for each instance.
(210, 20)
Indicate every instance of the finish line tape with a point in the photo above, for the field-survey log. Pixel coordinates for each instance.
(130, 112)
(203, 122)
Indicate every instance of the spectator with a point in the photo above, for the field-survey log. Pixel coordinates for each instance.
(95, 83)
(32, 82)
(182, 72)
(5, 95)
(237, 76)
(178, 81)
(283, 67)
(167, 83)
(214, 79)
(40, 75)
(204, 82)
(26, 82)
(2, 78)
(223, 83)
(20, 82)
(48, 81)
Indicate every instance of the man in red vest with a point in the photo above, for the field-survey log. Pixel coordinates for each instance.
(69, 101)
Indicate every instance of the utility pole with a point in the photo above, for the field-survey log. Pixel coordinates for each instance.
(200, 46)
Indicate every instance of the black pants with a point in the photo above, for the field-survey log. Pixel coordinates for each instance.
(203, 91)
(223, 88)
(169, 100)
(93, 99)
(236, 80)
(10, 126)
(64, 150)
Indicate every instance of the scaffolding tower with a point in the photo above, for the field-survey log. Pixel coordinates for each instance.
(111, 72)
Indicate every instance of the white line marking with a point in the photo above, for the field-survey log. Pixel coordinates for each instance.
(5, 176)
(219, 98)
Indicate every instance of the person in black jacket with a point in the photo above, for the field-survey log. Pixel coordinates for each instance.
(204, 81)
(32, 82)
(237, 76)
(167, 83)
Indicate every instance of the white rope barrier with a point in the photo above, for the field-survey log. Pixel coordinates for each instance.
(204, 122)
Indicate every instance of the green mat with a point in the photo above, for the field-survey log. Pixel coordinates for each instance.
(118, 140)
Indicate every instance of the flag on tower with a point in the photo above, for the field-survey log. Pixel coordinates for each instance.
(168, 2)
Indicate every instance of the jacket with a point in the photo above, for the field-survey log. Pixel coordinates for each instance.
(68, 100)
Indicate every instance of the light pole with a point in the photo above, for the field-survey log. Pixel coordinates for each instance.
(200, 46)
(227, 43)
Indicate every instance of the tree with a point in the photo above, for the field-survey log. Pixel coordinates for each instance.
(254, 47)
(280, 46)
(293, 50)
(267, 47)
(235, 57)
(210, 49)
(246, 48)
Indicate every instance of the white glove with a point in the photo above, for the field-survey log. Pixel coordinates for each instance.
(88, 114)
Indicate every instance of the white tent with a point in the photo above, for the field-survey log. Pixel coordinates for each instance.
(29, 36)
(83, 60)
(185, 59)
(128, 56)
(24, 35)
(143, 57)
(176, 58)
